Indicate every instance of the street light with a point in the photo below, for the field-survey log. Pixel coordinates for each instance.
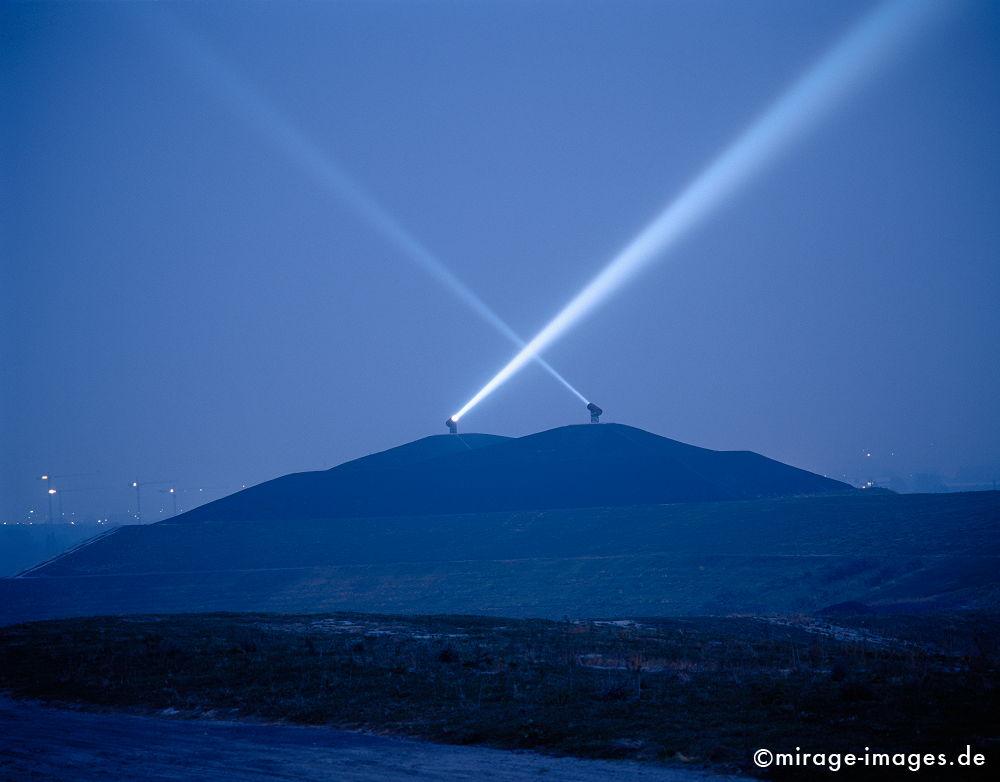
(50, 493)
(138, 501)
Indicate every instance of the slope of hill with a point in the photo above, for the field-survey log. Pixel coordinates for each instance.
(609, 465)
(902, 553)
(24, 545)
(422, 450)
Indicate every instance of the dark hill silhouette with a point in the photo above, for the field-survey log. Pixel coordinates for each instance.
(403, 456)
(580, 521)
(607, 465)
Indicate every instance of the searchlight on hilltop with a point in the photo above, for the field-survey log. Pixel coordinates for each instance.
(595, 413)
(810, 97)
(452, 425)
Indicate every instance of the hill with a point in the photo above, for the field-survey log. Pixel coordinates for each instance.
(610, 465)
(580, 521)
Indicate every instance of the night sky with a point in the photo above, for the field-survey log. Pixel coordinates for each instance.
(188, 301)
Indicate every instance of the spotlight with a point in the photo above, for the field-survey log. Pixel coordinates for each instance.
(843, 68)
(452, 425)
(595, 413)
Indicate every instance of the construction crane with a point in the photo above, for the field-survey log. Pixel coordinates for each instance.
(51, 491)
(137, 485)
(172, 492)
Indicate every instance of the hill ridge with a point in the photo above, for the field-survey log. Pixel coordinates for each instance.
(576, 466)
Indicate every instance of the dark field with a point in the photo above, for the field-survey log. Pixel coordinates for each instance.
(701, 691)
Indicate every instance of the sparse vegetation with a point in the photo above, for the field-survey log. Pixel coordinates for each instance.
(705, 690)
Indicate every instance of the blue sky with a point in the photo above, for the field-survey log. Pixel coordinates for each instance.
(184, 299)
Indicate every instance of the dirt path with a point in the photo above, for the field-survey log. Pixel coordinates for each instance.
(43, 743)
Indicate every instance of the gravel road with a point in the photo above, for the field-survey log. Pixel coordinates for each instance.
(40, 742)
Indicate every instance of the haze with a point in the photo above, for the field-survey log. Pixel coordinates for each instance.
(186, 305)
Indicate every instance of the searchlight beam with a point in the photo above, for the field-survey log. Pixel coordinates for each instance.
(316, 163)
(842, 68)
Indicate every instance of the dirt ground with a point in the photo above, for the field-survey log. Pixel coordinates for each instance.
(39, 742)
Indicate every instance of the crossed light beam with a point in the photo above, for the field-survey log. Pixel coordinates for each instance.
(842, 68)
(314, 161)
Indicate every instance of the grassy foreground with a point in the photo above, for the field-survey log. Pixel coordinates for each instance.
(703, 691)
